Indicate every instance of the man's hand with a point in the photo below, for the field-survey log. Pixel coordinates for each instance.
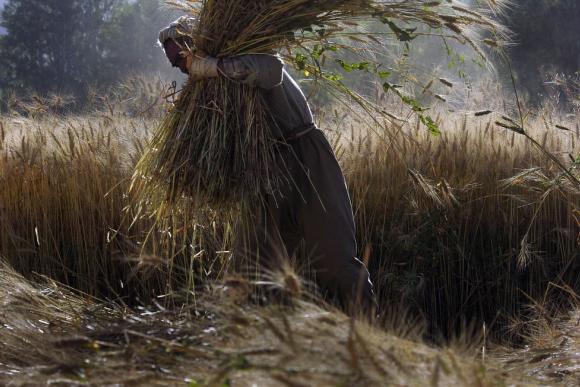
(201, 66)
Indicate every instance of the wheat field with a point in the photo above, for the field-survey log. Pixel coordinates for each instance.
(471, 237)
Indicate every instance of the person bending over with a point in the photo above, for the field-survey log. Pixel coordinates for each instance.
(315, 213)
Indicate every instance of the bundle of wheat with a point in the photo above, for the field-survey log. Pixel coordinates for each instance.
(216, 145)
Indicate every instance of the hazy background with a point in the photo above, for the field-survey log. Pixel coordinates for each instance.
(2, 29)
(73, 46)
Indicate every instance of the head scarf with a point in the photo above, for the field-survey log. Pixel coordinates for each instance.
(182, 28)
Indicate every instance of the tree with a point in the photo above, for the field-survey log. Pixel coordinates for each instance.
(67, 46)
(141, 22)
(52, 45)
(546, 37)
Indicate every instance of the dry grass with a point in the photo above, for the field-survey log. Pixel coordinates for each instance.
(55, 336)
(474, 234)
(551, 354)
(469, 225)
(441, 221)
(464, 227)
(219, 144)
(66, 212)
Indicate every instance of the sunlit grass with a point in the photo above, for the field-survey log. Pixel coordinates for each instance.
(471, 225)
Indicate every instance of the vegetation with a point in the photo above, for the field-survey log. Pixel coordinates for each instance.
(469, 222)
(96, 55)
(62, 219)
(230, 153)
(223, 340)
(544, 40)
(69, 47)
(468, 226)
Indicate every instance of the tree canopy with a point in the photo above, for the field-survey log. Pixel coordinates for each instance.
(545, 41)
(66, 46)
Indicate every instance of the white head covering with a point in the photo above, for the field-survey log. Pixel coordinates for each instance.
(182, 28)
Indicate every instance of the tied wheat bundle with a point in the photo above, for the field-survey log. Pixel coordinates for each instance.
(217, 144)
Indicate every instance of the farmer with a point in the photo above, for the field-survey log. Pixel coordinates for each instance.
(314, 213)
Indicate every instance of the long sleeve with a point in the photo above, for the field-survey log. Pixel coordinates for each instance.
(257, 70)
(282, 95)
